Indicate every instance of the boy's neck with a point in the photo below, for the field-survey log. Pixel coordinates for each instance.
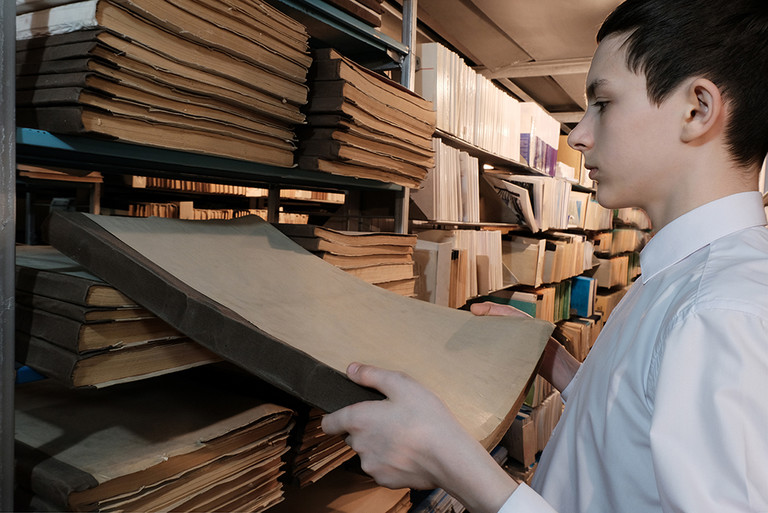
(702, 184)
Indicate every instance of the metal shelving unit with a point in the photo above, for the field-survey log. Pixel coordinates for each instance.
(325, 23)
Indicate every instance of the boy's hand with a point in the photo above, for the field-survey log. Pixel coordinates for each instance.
(411, 439)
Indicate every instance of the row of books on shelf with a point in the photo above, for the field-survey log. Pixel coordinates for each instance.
(470, 107)
(533, 426)
(187, 210)
(543, 203)
(195, 187)
(617, 271)
(456, 265)
(536, 261)
(451, 190)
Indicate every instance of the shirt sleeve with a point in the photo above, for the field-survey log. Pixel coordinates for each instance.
(524, 499)
(708, 431)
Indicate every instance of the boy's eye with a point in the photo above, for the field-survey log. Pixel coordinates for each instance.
(600, 105)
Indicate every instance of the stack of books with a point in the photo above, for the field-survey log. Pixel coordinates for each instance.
(220, 78)
(77, 329)
(380, 258)
(364, 125)
(190, 441)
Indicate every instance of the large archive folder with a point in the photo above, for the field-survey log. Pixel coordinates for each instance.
(248, 293)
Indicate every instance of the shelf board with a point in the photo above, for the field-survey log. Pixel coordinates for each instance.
(44, 148)
(458, 225)
(330, 26)
(485, 156)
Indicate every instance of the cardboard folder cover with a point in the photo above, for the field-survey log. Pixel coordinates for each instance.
(253, 296)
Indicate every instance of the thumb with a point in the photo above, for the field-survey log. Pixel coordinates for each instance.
(387, 382)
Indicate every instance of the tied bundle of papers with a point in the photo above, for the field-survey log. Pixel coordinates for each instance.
(224, 78)
(364, 125)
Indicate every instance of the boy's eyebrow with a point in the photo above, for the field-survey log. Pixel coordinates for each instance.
(593, 86)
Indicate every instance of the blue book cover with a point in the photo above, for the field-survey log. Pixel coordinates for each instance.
(583, 296)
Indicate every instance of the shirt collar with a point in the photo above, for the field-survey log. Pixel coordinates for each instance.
(700, 227)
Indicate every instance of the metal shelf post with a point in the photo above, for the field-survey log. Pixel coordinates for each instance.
(7, 247)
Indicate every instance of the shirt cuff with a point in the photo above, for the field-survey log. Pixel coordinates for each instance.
(524, 499)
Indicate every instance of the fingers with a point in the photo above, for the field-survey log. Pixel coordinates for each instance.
(388, 382)
(337, 423)
(491, 308)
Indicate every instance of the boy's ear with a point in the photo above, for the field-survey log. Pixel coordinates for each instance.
(705, 109)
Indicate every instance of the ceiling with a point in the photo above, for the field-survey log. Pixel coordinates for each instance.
(537, 49)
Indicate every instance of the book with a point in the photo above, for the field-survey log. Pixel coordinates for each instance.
(352, 154)
(346, 169)
(111, 366)
(348, 239)
(353, 136)
(45, 271)
(583, 293)
(242, 282)
(525, 257)
(81, 120)
(160, 444)
(79, 336)
(378, 273)
(81, 313)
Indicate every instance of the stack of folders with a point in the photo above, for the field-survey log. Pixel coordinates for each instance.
(364, 125)
(314, 454)
(220, 78)
(189, 441)
(74, 327)
(381, 258)
(344, 491)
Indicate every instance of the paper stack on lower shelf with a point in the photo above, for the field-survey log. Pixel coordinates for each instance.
(189, 441)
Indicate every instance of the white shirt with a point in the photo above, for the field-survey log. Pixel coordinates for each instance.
(669, 412)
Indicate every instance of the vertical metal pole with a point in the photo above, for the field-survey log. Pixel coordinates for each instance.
(407, 76)
(7, 247)
(273, 204)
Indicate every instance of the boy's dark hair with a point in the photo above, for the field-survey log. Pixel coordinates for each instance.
(725, 41)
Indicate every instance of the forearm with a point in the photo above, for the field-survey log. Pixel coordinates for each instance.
(557, 365)
(477, 480)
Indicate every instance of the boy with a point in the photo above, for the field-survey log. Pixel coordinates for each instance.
(668, 411)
